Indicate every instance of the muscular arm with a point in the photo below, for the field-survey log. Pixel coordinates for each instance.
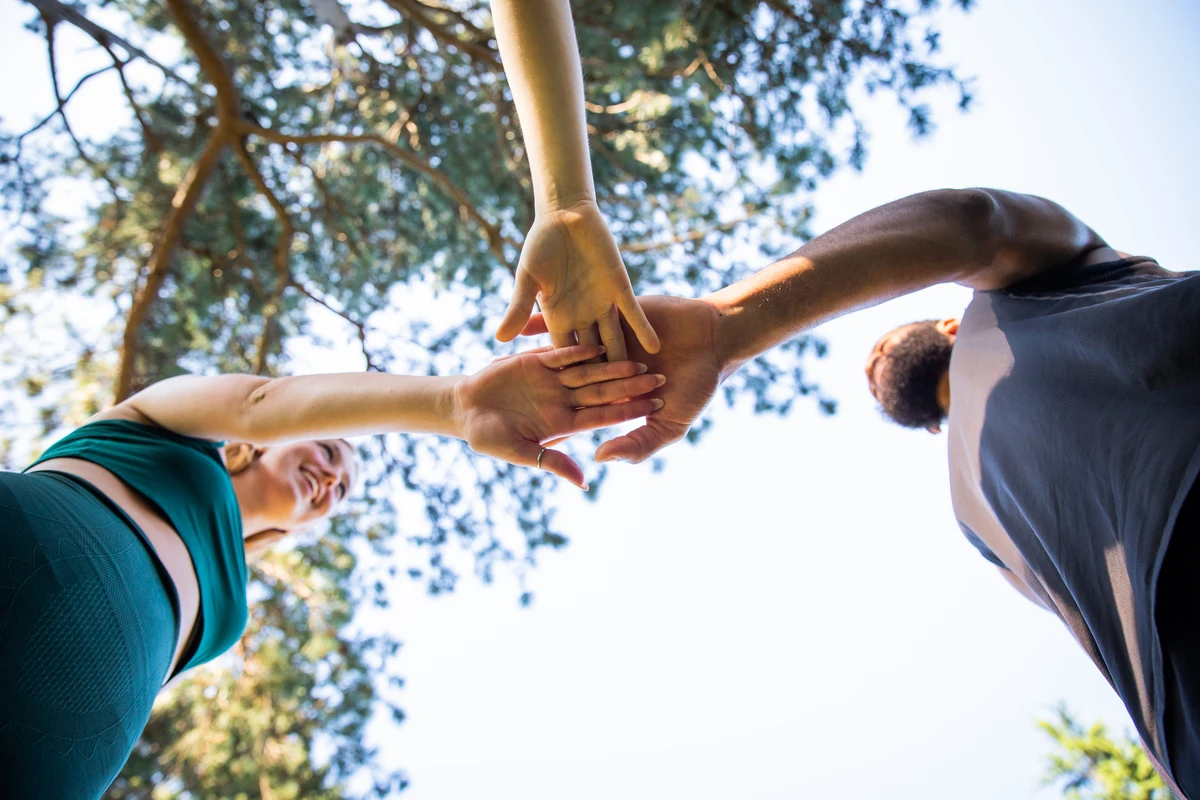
(981, 238)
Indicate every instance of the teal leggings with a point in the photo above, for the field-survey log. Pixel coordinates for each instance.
(88, 626)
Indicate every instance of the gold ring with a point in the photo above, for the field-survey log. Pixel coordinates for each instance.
(539, 459)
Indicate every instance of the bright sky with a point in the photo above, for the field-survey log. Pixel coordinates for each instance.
(788, 610)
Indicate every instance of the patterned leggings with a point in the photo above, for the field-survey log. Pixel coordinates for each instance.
(88, 623)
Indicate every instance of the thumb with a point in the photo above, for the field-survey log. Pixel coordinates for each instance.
(637, 445)
(519, 308)
(631, 309)
(535, 326)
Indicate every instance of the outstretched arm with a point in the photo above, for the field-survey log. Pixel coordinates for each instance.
(981, 238)
(569, 258)
(506, 410)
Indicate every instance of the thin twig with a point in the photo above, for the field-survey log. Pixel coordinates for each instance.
(65, 100)
(419, 12)
(360, 327)
(283, 247)
(646, 247)
(52, 10)
(467, 209)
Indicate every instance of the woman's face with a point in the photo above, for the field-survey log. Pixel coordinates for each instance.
(289, 487)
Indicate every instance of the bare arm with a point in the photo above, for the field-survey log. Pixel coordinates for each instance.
(505, 411)
(541, 60)
(267, 411)
(981, 238)
(569, 258)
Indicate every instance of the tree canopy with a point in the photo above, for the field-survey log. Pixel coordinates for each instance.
(309, 172)
(1093, 764)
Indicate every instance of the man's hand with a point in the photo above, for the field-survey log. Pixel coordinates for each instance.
(510, 408)
(691, 361)
(571, 262)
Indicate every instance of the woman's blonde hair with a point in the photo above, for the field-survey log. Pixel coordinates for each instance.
(238, 458)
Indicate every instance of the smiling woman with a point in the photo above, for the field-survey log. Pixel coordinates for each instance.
(124, 546)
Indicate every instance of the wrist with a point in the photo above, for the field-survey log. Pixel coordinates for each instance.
(454, 405)
(729, 318)
(564, 198)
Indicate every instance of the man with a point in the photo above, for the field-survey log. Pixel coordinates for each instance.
(1071, 387)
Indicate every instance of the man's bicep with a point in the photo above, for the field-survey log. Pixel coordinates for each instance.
(1030, 235)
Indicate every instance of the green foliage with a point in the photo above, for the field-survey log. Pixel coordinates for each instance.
(270, 186)
(1092, 764)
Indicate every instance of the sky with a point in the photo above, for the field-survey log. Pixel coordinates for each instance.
(788, 610)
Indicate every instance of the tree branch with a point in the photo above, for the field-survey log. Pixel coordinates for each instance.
(360, 327)
(418, 12)
(283, 247)
(646, 247)
(466, 208)
(54, 11)
(229, 102)
(64, 101)
(186, 196)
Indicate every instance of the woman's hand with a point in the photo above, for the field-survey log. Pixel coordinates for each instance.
(514, 405)
(571, 262)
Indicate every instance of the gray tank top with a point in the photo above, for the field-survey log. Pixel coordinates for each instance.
(1074, 437)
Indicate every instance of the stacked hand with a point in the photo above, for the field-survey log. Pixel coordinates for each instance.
(519, 402)
(571, 263)
(691, 360)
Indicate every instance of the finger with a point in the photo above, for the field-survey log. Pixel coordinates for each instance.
(554, 442)
(600, 394)
(513, 355)
(640, 443)
(588, 335)
(642, 329)
(585, 374)
(611, 334)
(519, 308)
(535, 327)
(552, 461)
(559, 357)
(602, 416)
(566, 339)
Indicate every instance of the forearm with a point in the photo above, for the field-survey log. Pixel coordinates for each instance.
(275, 411)
(541, 59)
(982, 238)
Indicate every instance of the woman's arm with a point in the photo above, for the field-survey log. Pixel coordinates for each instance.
(569, 258)
(506, 410)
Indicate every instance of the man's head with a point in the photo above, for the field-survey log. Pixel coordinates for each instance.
(908, 372)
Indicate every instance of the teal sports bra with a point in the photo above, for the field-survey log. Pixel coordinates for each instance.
(185, 479)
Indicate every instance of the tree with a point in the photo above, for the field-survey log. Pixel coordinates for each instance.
(299, 170)
(1091, 764)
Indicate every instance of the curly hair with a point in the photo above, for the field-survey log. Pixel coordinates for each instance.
(913, 370)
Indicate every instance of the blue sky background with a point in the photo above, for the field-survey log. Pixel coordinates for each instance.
(788, 610)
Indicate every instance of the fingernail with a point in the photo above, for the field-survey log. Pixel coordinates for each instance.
(602, 349)
(587, 488)
(656, 404)
(659, 380)
(641, 369)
